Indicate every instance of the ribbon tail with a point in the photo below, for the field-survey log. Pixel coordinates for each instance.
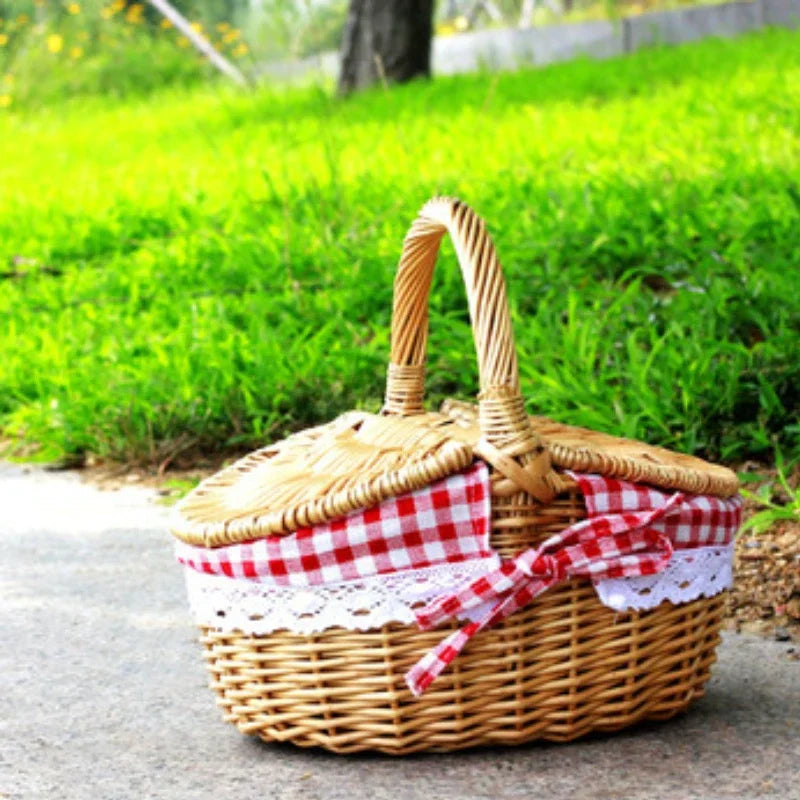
(495, 584)
(434, 662)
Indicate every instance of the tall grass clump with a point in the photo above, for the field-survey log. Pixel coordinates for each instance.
(204, 271)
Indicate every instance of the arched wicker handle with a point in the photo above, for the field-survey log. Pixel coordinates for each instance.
(508, 441)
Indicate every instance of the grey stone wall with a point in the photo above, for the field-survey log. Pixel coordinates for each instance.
(509, 48)
(784, 13)
(690, 24)
(512, 47)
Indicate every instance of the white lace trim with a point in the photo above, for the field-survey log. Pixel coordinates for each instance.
(696, 572)
(261, 607)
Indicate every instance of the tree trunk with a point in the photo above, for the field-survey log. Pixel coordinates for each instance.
(385, 40)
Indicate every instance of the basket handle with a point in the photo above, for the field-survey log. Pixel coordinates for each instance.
(507, 441)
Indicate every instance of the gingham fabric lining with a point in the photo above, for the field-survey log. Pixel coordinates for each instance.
(696, 520)
(630, 532)
(444, 523)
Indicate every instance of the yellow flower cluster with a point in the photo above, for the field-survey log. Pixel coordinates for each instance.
(230, 38)
(109, 11)
(134, 14)
(71, 44)
(55, 42)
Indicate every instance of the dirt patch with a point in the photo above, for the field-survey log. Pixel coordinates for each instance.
(170, 485)
(765, 597)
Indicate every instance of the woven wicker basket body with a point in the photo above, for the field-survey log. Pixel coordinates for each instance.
(562, 667)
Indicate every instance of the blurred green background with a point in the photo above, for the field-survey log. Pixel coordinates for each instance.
(188, 269)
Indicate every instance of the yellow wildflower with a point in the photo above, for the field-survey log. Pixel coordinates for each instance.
(240, 50)
(118, 5)
(76, 52)
(5, 100)
(107, 12)
(165, 24)
(74, 8)
(231, 36)
(183, 41)
(197, 27)
(3, 39)
(222, 27)
(55, 43)
(134, 14)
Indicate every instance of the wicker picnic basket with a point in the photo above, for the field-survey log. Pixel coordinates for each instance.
(563, 666)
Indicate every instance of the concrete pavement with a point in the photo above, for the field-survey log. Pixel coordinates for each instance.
(103, 693)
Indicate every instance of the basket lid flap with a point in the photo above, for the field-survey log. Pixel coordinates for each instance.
(585, 450)
(354, 462)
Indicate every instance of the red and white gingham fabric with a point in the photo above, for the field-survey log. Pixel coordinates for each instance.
(443, 523)
(630, 531)
(698, 521)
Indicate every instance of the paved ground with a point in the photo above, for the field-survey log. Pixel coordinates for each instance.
(103, 695)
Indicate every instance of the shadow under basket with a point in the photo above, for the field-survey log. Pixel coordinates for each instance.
(561, 667)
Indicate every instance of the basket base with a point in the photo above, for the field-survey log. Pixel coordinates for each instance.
(563, 667)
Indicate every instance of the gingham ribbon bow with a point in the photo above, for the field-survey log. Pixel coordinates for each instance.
(610, 546)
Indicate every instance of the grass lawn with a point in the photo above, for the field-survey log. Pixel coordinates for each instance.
(208, 270)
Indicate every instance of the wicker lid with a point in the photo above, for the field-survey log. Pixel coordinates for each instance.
(323, 473)
(360, 459)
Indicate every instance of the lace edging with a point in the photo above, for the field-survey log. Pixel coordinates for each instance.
(259, 607)
(696, 572)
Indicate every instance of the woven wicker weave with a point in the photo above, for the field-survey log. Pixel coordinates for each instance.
(564, 666)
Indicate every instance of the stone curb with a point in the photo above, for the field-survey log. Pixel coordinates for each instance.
(511, 48)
